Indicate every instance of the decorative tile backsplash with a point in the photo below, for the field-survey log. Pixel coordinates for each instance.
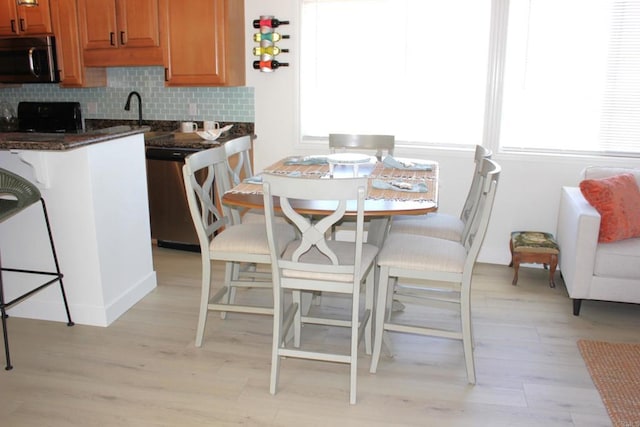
(228, 104)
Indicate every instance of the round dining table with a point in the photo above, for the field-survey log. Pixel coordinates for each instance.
(390, 190)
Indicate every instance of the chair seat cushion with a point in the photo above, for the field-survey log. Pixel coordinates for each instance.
(250, 238)
(618, 259)
(256, 216)
(422, 253)
(440, 225)
(345, 252)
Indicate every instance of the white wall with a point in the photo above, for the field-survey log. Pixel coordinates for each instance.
(529, 190)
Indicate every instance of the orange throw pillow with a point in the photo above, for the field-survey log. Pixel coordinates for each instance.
(617, 199)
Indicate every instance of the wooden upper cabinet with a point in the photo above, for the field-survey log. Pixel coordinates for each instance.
(24, 20)
(203, 42)
(120, 32)
(73, 73)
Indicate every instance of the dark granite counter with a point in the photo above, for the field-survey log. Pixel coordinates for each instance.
(165, 134)
(158, 134)
(65, 141)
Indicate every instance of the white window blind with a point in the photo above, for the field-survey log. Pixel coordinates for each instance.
(415, 69)
(572, 76)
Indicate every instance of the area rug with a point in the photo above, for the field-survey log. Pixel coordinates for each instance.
(615, 370)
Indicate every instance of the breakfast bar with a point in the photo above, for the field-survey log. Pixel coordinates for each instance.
(95, 187)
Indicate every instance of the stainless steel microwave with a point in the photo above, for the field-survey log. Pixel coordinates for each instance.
(28, 60)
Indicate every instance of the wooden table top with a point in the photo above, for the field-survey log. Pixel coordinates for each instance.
(379, 202)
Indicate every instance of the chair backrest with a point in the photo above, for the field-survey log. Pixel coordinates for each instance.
(200, 171)
(336, 194)
(238, 158)
(473, 238)
(475, 189)
(378, 143)
(238, 166)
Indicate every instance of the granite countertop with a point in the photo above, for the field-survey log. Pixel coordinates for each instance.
(65, 141)
(179, 140)
(160, 135)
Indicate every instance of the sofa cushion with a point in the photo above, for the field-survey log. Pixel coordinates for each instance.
(617, 200)
(618, 259)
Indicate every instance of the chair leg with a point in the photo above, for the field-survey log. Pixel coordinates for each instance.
(204, 299)
(297, 297)
(55, 260)
(278, 315)
(8, 367)
(231, 272)
(380, 316)
(369, 306)
(467, 343)
(353, 365)
(3, 314)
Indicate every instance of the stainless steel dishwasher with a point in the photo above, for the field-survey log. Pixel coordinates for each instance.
(171, 223)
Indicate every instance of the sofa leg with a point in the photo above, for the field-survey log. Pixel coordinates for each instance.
(576, 306)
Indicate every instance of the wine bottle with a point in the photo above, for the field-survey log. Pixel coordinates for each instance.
(268, 22)
(268, 50)
(272, 37)
(269, 65)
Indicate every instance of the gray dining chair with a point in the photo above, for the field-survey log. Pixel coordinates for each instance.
(444, 225)
(315, 263)
(415, 269)
(378, 143)
(222, 240)
(239, 167)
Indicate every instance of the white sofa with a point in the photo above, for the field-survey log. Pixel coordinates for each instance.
(592, 270)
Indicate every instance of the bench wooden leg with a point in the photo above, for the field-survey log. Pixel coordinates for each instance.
(515, 261)
(553, 263)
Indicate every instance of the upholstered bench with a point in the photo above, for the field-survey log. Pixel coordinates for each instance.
(534, 247)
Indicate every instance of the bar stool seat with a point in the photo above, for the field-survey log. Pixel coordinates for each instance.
(17, 194)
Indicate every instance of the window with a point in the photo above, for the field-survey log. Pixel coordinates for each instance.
(573, 76)
(415, 69)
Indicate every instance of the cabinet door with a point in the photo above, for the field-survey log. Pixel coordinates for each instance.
(109, 24)
(23, 20)
(204, 43)
(98, 24)
(35, 20)
(138, 23)
(64, 16)
(8, 18)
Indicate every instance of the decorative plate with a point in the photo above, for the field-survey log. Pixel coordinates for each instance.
(348, 158)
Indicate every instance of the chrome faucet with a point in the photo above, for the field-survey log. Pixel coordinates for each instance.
(127, 106)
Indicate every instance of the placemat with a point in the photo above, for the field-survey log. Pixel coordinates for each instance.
(378, 172)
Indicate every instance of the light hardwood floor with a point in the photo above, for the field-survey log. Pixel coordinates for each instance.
(144, 369)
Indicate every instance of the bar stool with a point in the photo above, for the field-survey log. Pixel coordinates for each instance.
(16, 194)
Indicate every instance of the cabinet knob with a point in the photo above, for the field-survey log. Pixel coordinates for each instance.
(13, 26)
(22, 26)
(123, 39)
(112, 40)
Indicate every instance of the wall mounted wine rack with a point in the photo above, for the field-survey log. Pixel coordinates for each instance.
(267, 48)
